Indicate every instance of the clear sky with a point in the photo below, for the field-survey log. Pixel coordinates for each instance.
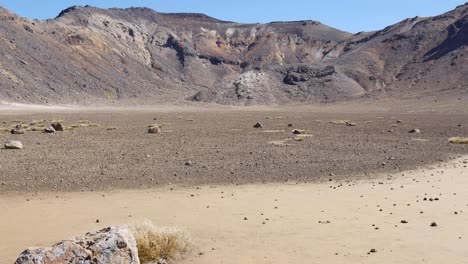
(348, 15)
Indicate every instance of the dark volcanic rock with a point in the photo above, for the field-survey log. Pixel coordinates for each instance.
(57, 126)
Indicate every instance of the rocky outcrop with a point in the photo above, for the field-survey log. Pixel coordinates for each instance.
(110, 245)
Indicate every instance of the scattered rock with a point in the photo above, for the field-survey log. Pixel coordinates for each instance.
(298, 131)
(13, 144)
(57, 126)
(403, 221)
(290, 125)
(415, 131)
(351, 124)
(373, 250)
(49, 129)
(189, 163)
(155, 129)
(110, 245)
(258, 125)
(18, 130)
(433, 224)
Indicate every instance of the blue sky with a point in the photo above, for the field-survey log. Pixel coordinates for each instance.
(348, 15)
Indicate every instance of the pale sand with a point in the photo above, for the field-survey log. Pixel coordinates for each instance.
(293, 233)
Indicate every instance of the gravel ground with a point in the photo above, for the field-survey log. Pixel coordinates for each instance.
(220, 146)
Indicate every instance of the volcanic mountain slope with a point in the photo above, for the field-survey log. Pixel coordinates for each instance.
(136, 55)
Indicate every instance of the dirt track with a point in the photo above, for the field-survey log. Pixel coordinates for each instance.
(222, 147)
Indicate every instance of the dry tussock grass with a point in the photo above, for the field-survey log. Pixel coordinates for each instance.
(458, 140)
(158, 244)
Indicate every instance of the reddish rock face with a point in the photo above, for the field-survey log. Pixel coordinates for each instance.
(137, 55)
(110, 245)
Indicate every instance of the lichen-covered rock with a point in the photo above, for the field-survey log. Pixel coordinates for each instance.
(110, 245)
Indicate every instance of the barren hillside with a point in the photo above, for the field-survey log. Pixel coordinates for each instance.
(88, 55)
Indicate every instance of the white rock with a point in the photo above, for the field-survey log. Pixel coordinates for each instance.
(110, 245)
(13, 144)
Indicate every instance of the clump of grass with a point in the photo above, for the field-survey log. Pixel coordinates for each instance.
(339, 122)
(94, 125)
(74, 126)
(36, 129)
(299, 138)
(83, 121)
(57, 121)
(109, 94)
(69, 128)
(111, 128)
(159, 244)
(458, 140)
(36, 122)
(4, 129)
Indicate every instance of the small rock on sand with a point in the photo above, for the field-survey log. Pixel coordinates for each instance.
(49, 130)
(298, 131)
(415, 131)
(57, 126)
(155, 129)
(18, 130)
(13, 144)
(258, 125)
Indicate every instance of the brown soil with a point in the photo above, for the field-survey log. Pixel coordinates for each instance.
(214, 145)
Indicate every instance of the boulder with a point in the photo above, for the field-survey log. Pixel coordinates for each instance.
(110, 245)
(18, 130)
(258, 125)
(49, 129)
(298, 131)
(57, 126)
(13, 144)
(155, 129)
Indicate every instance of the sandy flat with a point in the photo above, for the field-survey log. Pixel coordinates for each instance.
(293, 233)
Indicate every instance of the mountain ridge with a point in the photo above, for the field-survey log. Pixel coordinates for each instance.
(137, 55)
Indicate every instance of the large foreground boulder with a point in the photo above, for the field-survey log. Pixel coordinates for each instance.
(110, 245)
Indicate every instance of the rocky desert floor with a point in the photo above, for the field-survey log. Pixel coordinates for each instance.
(247, 195)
